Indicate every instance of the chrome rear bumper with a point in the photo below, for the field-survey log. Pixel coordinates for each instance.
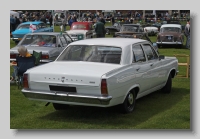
(66, 97)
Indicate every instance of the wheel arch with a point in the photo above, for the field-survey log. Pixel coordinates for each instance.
(135, 87)
(173, 73)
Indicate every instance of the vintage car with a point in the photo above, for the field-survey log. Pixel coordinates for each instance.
(101, 72)
(158, 25)
(81, 30)
(151, 30)
(115, 28)
(50, 44)
(176, 22)
(131, 30)
(170, 34)
(24, 28)
(134, 31)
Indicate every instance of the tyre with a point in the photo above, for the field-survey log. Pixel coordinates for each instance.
(129, 103)
(60, 106)
(167, 88)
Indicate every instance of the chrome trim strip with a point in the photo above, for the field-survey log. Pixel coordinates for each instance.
(168, 42)
(53, 96)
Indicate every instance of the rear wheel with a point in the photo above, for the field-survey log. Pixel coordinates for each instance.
(60, 106)
(129, 102)
(167, 88)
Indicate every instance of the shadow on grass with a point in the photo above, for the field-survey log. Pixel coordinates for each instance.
(146, 108)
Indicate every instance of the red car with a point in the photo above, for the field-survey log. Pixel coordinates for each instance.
(81, 30)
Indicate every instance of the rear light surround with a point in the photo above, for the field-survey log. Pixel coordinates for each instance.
(104, 88)
(25, 81)
(13, 56)
(45, 56)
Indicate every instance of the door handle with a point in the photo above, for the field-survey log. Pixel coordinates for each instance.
(137, 68)
(151, 64)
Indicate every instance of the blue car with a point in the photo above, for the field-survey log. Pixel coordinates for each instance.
(24, 28)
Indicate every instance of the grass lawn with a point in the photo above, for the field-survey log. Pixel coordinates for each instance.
(154, 111)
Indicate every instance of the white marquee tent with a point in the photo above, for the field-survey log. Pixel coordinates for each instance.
(14, 13)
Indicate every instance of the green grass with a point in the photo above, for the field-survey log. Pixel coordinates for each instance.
(155, 111)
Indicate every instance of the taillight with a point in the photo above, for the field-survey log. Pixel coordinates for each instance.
(25, 81)
(13, 55)
(104, 89)
(45, 56)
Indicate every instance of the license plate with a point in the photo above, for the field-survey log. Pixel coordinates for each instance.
(169, 38)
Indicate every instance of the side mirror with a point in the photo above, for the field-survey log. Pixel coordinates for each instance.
(161, 57)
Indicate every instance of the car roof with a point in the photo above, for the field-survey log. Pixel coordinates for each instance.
(119, 42)
(33, 22)
(171, 25)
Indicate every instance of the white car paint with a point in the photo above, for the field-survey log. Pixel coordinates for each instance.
(146, 77)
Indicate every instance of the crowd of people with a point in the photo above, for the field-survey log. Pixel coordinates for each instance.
(43, 16)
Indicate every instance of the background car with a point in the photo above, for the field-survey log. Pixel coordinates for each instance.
(130, 30)
(24, 28)
(151, 30)
(101, 72)
(50, 44)
(170, 34)
(115, 28)
(81, 30)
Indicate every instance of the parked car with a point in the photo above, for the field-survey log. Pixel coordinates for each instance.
(81, 30)
(151, 30)
(101, 72)
(49, 43)
(158, 25)
(170, 34)
(134, 31)
(24, 28)
(115, 28)
(176, 22)
(131, 30)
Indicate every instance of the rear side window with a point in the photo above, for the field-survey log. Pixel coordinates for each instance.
(138, 54)
(63, 40)
(150, 52)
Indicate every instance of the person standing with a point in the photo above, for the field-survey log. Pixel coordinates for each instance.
(112, 19)
(64, 23)
(17, 22)
(71, 21)
(99, 29)
(12, 22)
(187, 34)
(50, 19)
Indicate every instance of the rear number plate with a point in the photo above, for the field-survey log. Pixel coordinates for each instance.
(62, 88)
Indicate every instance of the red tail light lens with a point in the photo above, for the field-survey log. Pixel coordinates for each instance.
(13, 55)
(45, 56)
(104, 89)
(25, 81)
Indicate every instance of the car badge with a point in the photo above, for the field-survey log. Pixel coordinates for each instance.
(63, 79)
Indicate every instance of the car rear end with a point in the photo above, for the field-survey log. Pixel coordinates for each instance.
(75, 83)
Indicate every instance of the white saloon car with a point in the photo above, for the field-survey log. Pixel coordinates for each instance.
(101, 72)
(151, 30)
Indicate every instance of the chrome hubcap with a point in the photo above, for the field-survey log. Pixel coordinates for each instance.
(130, 98)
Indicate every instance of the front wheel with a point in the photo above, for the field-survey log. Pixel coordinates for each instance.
(129, 102)
(167, 88)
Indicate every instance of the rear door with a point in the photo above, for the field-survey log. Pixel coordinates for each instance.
(155, 73)
(140, 67)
